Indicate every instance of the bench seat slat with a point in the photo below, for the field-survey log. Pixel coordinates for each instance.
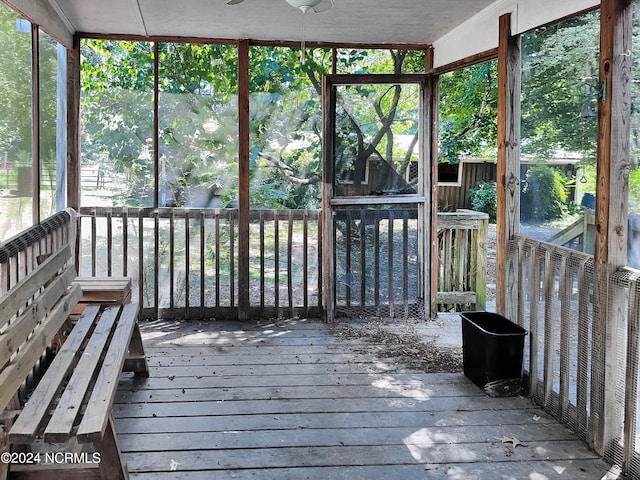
(20, 294)
(26, 426)
(60, 425)
(98, 409)
(21, 365)
(20, 329)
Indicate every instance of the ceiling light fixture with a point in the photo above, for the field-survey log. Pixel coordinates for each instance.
(304, 5)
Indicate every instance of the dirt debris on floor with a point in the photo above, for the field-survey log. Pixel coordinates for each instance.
(405, 345)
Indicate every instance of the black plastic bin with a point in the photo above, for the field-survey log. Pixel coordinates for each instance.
(492, 349)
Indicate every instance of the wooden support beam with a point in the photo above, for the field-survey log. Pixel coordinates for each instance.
(614, 110)
(243, 180)
(508, 167)
(73, 125)
(328, 267)
(431, 189)
(156, 126)
(35, 122)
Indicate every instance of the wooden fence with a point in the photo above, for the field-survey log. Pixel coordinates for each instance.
(462, 260)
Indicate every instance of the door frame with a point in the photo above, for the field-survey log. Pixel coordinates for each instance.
(426, 197)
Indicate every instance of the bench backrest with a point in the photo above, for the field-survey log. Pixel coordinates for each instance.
(32, 312)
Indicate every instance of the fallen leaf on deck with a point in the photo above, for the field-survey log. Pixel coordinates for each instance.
(513, 440)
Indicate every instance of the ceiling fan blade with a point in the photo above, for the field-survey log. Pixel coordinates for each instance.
(234, 2)
(324, 6)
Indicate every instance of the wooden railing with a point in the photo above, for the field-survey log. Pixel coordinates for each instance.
(184, 262)
(462, 260)
(563, 352)
(172, 251)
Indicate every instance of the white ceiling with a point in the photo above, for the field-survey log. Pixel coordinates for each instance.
(351, 21)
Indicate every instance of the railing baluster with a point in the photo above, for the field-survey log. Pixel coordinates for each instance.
(262, 262)
(125, 242)
(141, 273)
(109, 244)
(203, 260)
(172, 258)
(584, 294)
(319, 254)
(232, 263)
(289, 263)
(363, 265)
(376, 260)
(549, 278)
(276, 260)
(217, 258)
(187, 262)
(534, 294)
(156, 261)
(391, 265)
(305, 262)
(348, 278)
(405, 260)
(631, 378)
(566, 284)
(94, 255)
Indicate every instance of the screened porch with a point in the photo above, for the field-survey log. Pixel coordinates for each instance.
(269, 180)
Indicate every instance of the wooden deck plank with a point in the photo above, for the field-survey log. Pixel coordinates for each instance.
(582, 469)
(275, 457)
(294, 421)
(313, 405)
(231, 381)
(126, 396)
(326, 437)
(279, 400)
(266, 369)
(259, 358)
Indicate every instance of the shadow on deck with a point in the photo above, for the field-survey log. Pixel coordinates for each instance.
(299, 399)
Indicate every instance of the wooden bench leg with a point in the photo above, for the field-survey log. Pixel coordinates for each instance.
(4, 447)
(136, 361)
(112, 465)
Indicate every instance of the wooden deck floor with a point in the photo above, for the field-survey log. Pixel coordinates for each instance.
(294, 400)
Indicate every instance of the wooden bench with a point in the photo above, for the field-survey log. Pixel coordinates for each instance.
(66, 428)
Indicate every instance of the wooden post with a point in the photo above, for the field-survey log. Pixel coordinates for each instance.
(243, 179)
(508, 167)
(328, 267)
(611, 220)
(156, 127)
(431, 190)
(73, 124)
(35, 122)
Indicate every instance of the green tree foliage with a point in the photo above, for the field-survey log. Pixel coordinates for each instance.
(15, 87)
(560, 87)
(544, 194)
(117, 115)
(468, 112)
(483, 198)
(198, 118)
